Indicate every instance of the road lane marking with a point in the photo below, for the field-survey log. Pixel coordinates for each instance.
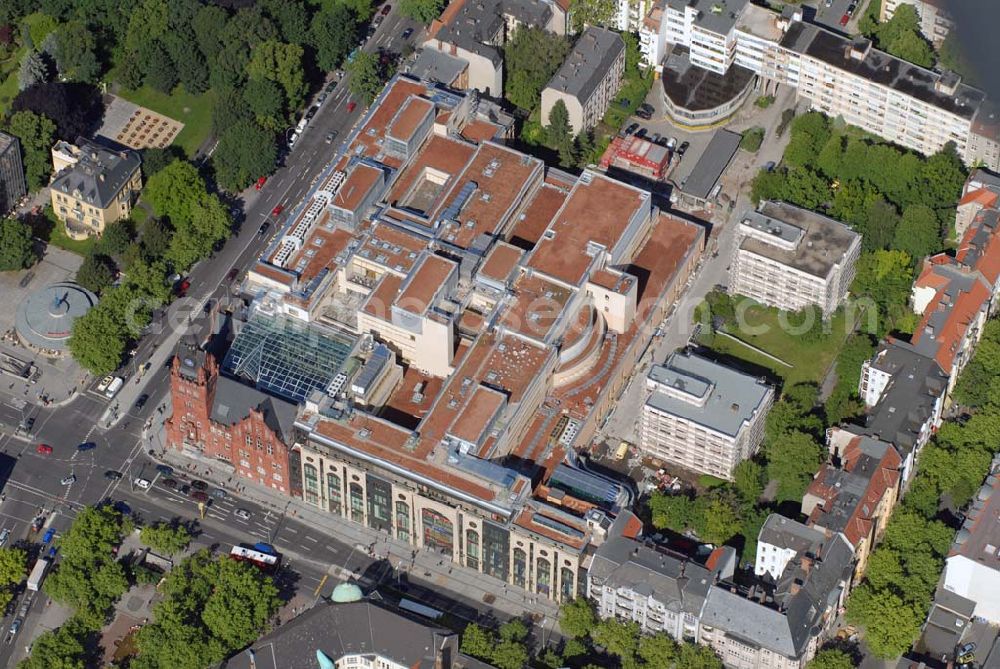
(308, 538)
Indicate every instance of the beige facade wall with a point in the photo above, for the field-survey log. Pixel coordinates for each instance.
(431, 350)
(736, 654)
(334, 483)
(618, 309)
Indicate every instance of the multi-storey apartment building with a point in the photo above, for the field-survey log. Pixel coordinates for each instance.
(660, 590)
(935, 21)
(93, 186)
(791, 258)
(511, 297)
(629, 15)
(856, 496)
(842, 77)
(780, 540)
(588, 79)
(12, 182)
(703, 415)
(905, 393)
(474, 32)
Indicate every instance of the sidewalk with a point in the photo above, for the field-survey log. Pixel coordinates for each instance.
(427, 567)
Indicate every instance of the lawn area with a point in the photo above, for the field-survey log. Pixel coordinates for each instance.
(194, 111)
(51, 230)
(810, 358)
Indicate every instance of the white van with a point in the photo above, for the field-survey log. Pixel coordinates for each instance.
(113, 387)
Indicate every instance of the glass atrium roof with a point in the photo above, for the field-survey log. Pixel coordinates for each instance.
(286, 357)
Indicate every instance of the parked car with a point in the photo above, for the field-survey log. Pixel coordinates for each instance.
(169, 483)
(278, 208)
(181, 288)
(199, 485)
(260, 183)
(141, 483)
(44, 449)
(242, 513)
(671, 143)
(407, 33)
(199, 496)
(233, 273)
(263, 227)
(106, 381)
(844, 19)
(641, 132)
(682, 149)
(386, 9)
(321, 98)
(49, 533)
(16, 625)
(113, 475)
(330, 87)
(351, 106)
(68, 480)
(86, 446)
(220, 493)
(4, 535)
(656, 138)
(166, 470)
(184, 490)
(631, 129)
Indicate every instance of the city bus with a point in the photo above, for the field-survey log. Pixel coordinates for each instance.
(267, 562)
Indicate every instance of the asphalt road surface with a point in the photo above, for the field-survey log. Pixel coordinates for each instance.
(33, 481)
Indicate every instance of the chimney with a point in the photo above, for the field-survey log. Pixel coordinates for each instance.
(795, 587)
(442, 656)
(807, 563)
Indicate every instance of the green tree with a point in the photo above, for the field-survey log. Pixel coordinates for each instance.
(531, 57)
(810, 133)
(96, 272)
(509, 655)
(150, 280)
(831, 658)
(97, 342)
(17, 250)
(696, 656)
(333, 33)
(36, 134)
(208, 25)
(890, 624)
(292, 19)
(76, 52)
(721, 522)
(793, 460)
(245, 152)
(885, 277)
(901, 37)
(13, 566)
(423, 11)
(61, 648)
(592, 13)
(241, 603)
(478, 641)
(366, 77)
(34, 70)
(658, 650)
(748, 480)
(752, 139)
(618, 638)
(577, 617)
(161, 71)
(672, 512)
(559, 133)
(115, 238)
(195, 238)
(165, 538)
(282, 64)
(918, 233)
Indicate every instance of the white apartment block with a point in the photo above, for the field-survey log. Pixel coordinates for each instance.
(703, 415)
(912, 106)
(629, 14)
(779, 541)
(791, 258)
(935, 22)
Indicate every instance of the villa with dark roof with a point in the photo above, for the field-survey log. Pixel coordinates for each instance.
(93, 186)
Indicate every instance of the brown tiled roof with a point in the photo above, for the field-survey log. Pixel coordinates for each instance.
(501, 261)
(409, 118)
(599, 212)
(357, 185)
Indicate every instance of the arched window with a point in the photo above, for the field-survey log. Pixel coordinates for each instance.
(520, 567)
(357, 503)
(334, 493)
(543, 576)
(403, 521)
(311, 480)
(566, 583)
(472, 549)
(439, 532)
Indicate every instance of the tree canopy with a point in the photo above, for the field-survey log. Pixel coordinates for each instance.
(531, 57)
(423, 11)
(36, 134)
(366, 76)
(165, 538)
(17, 249)
(76, 108)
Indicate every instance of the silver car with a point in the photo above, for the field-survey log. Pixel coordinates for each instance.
(242, 513)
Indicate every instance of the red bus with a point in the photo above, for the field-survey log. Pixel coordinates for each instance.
(267, 562)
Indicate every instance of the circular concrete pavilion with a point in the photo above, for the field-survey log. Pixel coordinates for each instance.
(44, 319)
